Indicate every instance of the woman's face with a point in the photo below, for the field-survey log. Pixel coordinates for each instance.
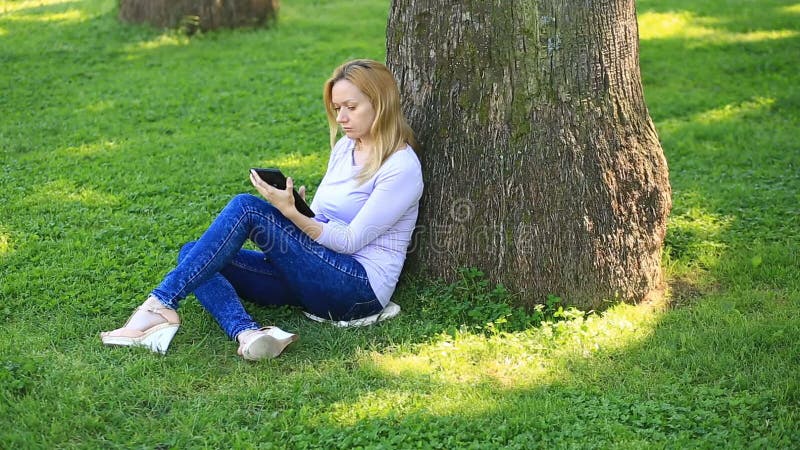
(354, 111)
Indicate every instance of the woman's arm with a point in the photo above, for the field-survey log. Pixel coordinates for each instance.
(398, 187)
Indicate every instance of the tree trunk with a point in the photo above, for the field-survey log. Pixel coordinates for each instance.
(541, 163)
(199, 14)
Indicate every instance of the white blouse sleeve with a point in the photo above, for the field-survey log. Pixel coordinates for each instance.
(398, 188)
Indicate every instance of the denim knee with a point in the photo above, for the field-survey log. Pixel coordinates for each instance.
(244, 200)
(185, 250)
(246, 203)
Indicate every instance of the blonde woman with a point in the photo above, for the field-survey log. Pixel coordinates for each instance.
(342, 264)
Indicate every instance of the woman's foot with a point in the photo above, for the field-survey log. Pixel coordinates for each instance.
(152, 325)
(267, 342)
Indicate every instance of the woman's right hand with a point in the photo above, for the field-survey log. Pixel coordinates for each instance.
(284, 201)
(281, 199)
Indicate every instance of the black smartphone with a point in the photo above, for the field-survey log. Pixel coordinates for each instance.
(276, 179)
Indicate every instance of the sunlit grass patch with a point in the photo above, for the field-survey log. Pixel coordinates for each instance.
(94, 148)
(60, 191)
(655, 25)
(735, 111)
(381, 403)
(294, 161)
(696, 234)
(718, 129)
(699, 29)
(99, 106)
(167, 39)
(793, 9)
(5, 243)
(474, 376)
(7, 6)
(761, 35)
(73, 15)
(533, 358)
(67, 16)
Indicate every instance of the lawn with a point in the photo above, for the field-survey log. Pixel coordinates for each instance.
(119, 143)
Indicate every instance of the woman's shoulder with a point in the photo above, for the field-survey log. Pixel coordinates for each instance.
(404, 158)
(401, 165)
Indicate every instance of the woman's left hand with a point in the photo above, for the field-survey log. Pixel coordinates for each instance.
(281, 199)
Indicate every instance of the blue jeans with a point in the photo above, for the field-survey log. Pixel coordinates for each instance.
(290, 269)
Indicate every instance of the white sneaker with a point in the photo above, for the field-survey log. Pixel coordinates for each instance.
(391, 310)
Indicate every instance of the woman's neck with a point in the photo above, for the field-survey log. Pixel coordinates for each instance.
(364, 145)
(361, 152)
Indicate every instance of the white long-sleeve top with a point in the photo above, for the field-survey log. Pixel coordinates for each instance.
(372, 221)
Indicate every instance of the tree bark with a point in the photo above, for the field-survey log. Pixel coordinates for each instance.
(541, 163)
(199, 14)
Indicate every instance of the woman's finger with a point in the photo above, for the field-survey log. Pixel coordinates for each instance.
(254, 179)
(290, 190)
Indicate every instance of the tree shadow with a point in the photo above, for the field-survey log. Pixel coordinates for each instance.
(669, 385)
(673, 386)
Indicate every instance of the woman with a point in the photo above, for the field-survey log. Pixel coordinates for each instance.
(342, 264)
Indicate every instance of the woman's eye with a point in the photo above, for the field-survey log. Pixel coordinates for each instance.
(351, 108)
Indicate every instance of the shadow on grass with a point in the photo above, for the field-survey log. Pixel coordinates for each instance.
(674, 388)
(709, 375)
(720, 371)
(726, 115)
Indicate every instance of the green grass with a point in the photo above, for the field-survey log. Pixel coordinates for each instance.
(119, 143)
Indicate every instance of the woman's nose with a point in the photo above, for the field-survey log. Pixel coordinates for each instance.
(341, 116)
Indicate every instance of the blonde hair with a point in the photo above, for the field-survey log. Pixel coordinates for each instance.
(389, 130)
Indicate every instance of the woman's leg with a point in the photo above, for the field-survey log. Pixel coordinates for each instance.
(154, 323)
(326, 283)
(218, 245)
(323, 282)
(246, 276)
(241, 219)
